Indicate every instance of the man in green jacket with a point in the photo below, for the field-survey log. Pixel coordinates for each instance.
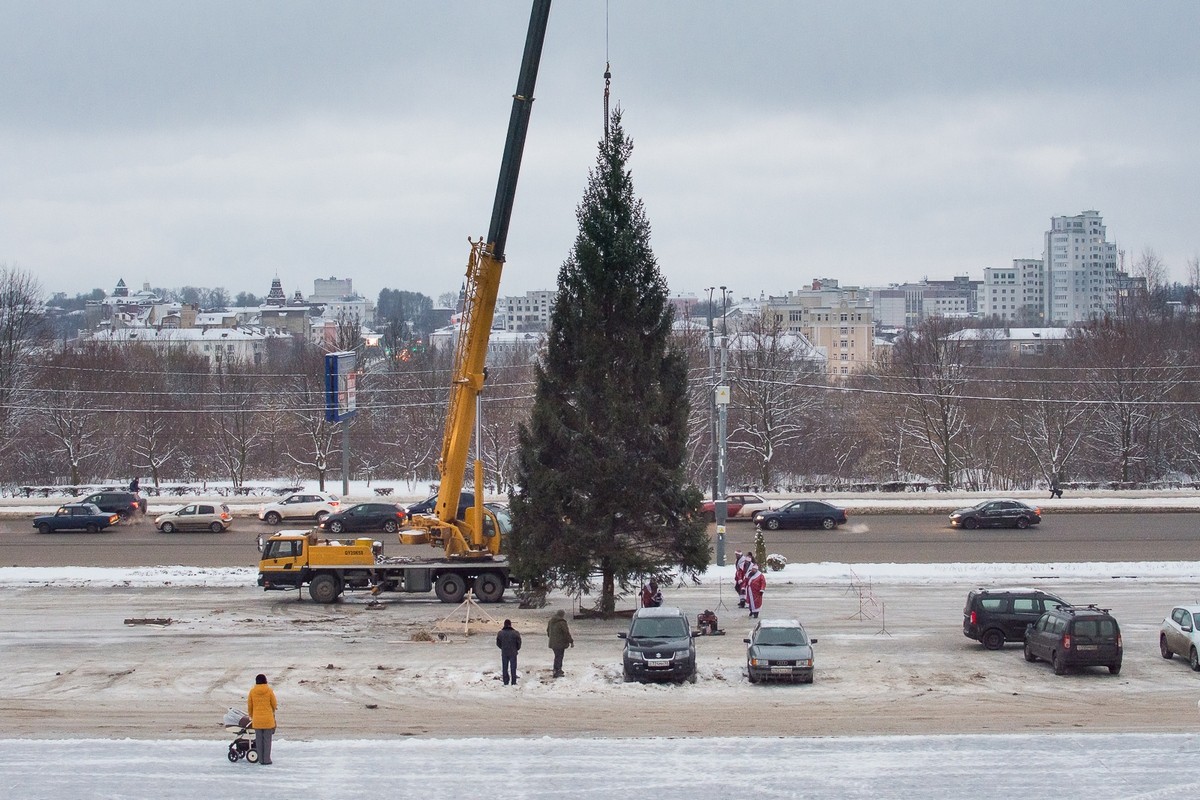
(560, 639)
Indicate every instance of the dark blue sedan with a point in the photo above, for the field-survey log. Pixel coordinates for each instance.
(76, 517)
(801, 514)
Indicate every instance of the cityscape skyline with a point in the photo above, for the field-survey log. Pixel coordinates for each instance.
(780, 144)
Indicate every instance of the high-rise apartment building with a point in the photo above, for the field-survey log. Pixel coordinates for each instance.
(1016, 293)
(1080, 269)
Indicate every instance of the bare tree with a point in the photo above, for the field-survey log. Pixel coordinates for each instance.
(928, 367)
(22, 326)
(773, 380)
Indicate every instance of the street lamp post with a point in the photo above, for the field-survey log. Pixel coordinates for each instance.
(712, 397)
(721, 399)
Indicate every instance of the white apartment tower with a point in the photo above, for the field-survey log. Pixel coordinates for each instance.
(1080, 269)
(1016, 293)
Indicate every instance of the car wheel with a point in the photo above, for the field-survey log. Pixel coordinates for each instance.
(692, 678)
(272, 518)
(1029, 656)
(325, 588)
(1163, 648)
(125, 516)
(1022, 522)
(43, 527)
(993, 639)
(626, 677)
(216, 527)
(773, 524)
(1060, 664)
(1194, 660)
(751, 676)
(321, 515)
(1115, 668)
(167, 527)
(970, 523)
(92, 527)
(336, 526)
(811, 678)
(391, 526)
(829, 523)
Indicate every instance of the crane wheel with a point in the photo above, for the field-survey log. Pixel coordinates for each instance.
(489, 587)
(450, 588)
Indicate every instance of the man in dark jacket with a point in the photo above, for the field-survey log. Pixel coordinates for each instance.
(509, 642)
(559, 634)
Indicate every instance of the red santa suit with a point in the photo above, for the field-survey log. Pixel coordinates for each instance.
(739, 577)
(756, 584)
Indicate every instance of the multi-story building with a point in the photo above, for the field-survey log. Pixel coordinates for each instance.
(906, 305)
(1014, 294)
(528, 313)
(1080, 269)
(839, 322)
(341, 302)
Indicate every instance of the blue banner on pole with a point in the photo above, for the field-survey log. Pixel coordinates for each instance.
(341, 375)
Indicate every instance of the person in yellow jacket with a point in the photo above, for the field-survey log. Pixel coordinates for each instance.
(261, 705)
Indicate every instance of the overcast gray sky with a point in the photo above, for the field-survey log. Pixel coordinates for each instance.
(218, 143)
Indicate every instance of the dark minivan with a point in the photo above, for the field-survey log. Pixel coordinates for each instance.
(995, 616)
(1075, 637)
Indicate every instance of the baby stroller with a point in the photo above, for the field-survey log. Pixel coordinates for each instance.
(242, 746)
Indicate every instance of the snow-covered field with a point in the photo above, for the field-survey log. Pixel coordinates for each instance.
(998, 767)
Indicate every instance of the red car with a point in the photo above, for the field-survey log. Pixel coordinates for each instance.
(741, 506)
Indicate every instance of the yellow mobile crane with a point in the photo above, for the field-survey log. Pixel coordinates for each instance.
(292, 559)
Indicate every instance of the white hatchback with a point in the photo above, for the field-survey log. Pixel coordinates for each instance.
(300, 505)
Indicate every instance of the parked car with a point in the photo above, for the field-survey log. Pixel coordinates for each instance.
(1178, 635)
(76, 517)
(659, 646)
(123, 504)
(739, 506)
(1071, 636)
(429, 504)
(802, 514)
(995, 616)
(366, 517)
(300, 505)
(780, 649)
(996, 514)
(196, 517)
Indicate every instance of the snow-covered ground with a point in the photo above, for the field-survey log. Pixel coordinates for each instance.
(709, 763)
(979, 767)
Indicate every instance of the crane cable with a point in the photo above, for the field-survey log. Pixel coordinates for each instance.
(607, 71)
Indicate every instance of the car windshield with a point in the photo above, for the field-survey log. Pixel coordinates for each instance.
(659, 628)
(793, 637)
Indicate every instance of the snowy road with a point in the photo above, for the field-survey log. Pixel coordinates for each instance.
(978, 767)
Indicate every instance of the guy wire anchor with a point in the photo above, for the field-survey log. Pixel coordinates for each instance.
(483, 620)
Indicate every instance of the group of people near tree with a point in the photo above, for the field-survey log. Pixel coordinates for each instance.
(749, 581)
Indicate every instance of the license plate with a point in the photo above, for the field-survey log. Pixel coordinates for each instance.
(781, 669)
(1087, 647)
(658, 662)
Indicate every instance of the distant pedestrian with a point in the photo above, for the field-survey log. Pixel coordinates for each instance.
(135, 485)
(559, 634)
(651, 596)
(756, 584)
(740, 562)
(509, 642)
(261, 705)
(1055, 491)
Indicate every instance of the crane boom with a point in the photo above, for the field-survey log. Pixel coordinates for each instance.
(471, 537)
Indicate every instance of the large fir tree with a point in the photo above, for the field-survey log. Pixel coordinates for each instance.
(601, 482)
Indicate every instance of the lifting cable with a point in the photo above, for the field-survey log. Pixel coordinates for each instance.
(607, 71)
